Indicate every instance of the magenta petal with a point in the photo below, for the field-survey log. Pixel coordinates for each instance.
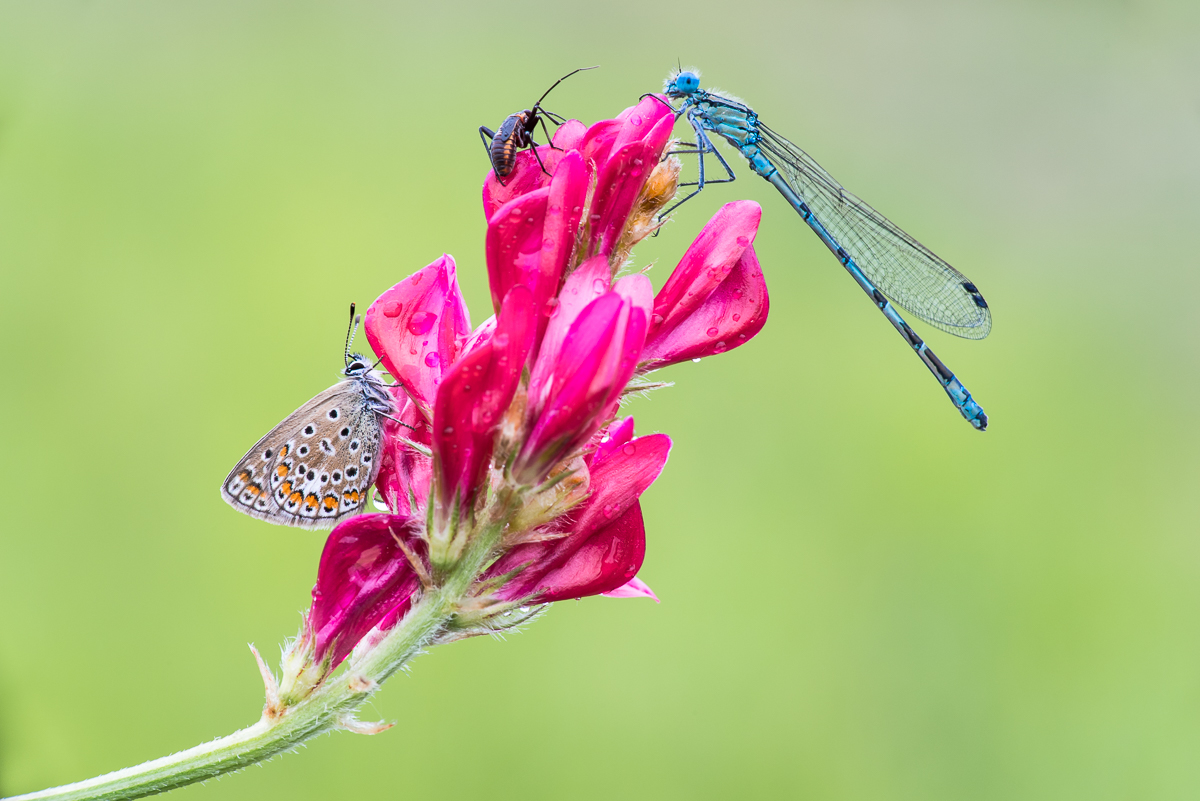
(568, 192)
(618, 183)
(617, 481)
(577, 387)
(634, 588)
(363, 577)
(705, 264)
(589, 281)
(638, 289)
(607, 560)
(415, 328)
(638, 121)
(404, 473)
(598, 141)
(475, 394)
(569, 135)
(731, 316)
(514, 244)
(617, 434)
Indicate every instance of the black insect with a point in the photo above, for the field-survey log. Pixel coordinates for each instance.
(516, 133)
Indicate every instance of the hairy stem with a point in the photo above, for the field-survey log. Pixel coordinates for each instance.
(324, 710)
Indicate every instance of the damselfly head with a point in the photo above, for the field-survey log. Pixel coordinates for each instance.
(682, 83)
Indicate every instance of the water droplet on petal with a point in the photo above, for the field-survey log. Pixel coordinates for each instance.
(695, 361)
(743, 240)
(630, 449)
(656, 319)
(609, 510)
(551, 307)
(712, 332)
(393, 309)
(421, 322)
(448, 430)
(548, 244)
(737, 317)
(500, 340)
(720, 347)
(433, 359)
(635, 120)
(599, 286)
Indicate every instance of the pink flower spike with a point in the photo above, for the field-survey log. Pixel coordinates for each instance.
(634, 588)
(514, 245)
(363, 577)
(638, 123)
(415, 327)
(474, 395)
(705, 264)
(730, 317)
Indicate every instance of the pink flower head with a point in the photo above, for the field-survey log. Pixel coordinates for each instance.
(716, 299)
(505, 439)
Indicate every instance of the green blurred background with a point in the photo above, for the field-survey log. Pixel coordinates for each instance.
(862, 597)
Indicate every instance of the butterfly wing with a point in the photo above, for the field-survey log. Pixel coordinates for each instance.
(314, 468)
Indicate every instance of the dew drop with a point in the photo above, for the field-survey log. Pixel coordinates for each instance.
(743, 240)
(599, 286)
(448, 430)
(737, 293)
(609, 510)
(421, 322)
(548, 244)
(393, 309)
(577, 209)
(737, 317)
(635, 120)
(500, 340)
(551, 307)
(720, 347)
(712, 332)
(412, 351)
(695, 361)
(656, 319)
(630, 449)
(433, 359)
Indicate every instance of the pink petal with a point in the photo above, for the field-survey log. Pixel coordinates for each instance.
(638, 123)
(598, 141)
(404, 473)
(605, 561)
(634, 588)
(416, 326)
(568, 193)
(618, 183)
(514, 244)
(705, 264)
(598, 357)
(616, 435)
(475, 394)
(617, 481)
(589, 281)
(363, 577)
(731, 316)
(569, 135)
(638, 289)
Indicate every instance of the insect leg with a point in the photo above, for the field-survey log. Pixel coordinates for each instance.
(534, 146)
(545, 130)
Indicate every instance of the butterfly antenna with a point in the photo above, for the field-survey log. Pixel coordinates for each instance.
(560, 80)
(350, 332)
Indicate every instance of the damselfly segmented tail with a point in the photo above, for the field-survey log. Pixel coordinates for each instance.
(884, 260)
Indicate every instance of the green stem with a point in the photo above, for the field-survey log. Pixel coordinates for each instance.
(324, 710)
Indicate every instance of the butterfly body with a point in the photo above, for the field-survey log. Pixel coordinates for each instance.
(317, 466)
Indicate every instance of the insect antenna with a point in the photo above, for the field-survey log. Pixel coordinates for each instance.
(560, 80)
(351, 331)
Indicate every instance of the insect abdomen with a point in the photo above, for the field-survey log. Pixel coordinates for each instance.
(504, 147)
